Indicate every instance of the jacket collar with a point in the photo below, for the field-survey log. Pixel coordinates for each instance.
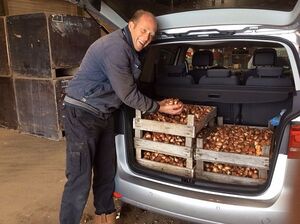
(127, 36)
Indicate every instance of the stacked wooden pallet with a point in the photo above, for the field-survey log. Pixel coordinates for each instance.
(41, 53)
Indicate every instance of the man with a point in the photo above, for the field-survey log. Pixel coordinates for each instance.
(105, 80)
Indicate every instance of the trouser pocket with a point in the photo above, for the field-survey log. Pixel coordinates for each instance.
(76, 159)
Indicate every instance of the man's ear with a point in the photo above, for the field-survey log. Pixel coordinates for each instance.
(130, 25)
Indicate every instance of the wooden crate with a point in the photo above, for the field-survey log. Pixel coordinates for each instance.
(39, 106)
(259, 162)
(4, 66)
(189, 130)
(186, 152)
(41, 43)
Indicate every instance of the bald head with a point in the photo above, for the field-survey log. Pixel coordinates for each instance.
(139, 13)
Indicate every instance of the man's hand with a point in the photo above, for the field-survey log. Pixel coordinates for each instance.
(166, 107)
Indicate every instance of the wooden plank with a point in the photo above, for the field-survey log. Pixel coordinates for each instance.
(8, 113)
(4, 65)
(189, 160)
(263, 173)
(208, 120)
(166, 168)
(17, 7)
(164, 127)
(138, 133)
(232, 158)
(221, 178)
(170, 149)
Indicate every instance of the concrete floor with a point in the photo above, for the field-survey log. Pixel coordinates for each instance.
(32, 179)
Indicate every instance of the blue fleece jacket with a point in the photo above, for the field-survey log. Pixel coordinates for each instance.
(107, 75)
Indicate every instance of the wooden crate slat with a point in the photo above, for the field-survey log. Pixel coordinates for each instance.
(230, 179)
(232, 158)
(189, 160)
(209, 119)
(170, 149)
(164, 127)
(166, 168)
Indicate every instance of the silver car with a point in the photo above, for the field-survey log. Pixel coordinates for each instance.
(249, 70)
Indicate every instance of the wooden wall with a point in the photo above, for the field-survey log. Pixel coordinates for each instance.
(16, 7)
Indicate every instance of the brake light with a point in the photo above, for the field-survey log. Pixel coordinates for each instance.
(117, 195)
(294, 142)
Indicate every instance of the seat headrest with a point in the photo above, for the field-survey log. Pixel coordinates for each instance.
(202, 58)
(264, 56)
(216, 73)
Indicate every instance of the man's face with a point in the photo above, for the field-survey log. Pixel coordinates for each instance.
(142, 31)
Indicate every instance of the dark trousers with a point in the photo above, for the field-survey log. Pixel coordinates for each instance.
(90, 149)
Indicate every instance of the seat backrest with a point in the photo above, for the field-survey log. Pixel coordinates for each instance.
(266, 75)
(201, 61)
(269, 77)
(219, 77)
(229, 111)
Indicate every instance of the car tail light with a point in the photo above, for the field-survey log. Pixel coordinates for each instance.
(117, 195)
(294, 142)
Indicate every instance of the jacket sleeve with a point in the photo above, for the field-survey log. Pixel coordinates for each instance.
(117, 67)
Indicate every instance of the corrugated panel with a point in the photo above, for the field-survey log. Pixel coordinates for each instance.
(16, 7)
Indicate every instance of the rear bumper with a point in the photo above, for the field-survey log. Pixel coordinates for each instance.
(202, 206)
